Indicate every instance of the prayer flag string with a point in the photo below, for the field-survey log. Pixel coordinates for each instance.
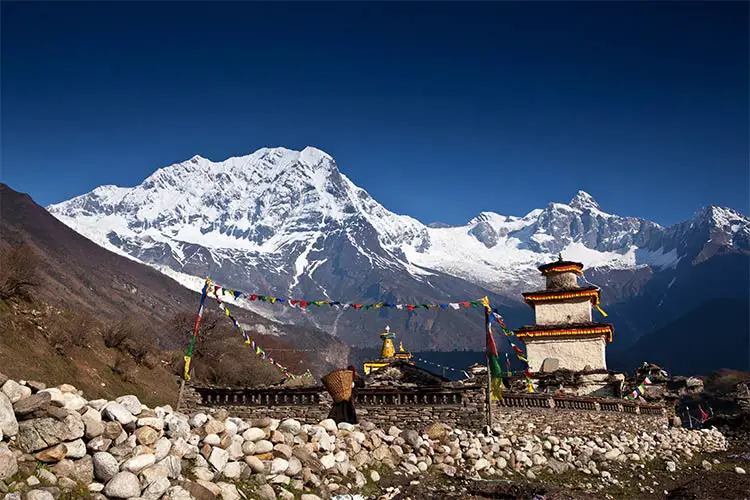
(306, 304)
(219, 292)
(497, 317)
(640, 390)
(257, 349)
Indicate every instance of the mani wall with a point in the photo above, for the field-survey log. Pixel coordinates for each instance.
(460, 407)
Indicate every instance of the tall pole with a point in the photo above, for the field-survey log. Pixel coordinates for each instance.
(189, 353)
(489, 372)
(179, 396)
(489, 394)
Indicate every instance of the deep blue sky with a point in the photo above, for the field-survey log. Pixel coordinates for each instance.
(439, 110)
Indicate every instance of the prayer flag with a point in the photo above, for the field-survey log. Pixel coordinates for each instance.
(495, 372)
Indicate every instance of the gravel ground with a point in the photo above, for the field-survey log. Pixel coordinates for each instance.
(690, 483)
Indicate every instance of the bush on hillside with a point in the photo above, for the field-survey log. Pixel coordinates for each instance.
(115, 334)
(73, 329)
(18, 272)
(219, 356)
(725, 381)
(135, 338)
(183, 327)
(232, 365)
(124, 367)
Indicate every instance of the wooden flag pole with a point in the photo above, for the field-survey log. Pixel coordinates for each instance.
(489, 372)
(489, 395)
(179, 397)
(189, 353)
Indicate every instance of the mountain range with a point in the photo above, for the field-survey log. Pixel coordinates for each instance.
(289, 223)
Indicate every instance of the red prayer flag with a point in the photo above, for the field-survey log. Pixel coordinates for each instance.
(704, 415)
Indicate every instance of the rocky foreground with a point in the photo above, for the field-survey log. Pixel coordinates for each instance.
(56, 444)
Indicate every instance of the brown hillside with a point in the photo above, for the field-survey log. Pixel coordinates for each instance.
(79, 279)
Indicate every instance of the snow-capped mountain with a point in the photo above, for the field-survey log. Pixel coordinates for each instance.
(290, 223)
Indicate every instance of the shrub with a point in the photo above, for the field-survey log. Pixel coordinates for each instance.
(73, 329)
(220, 356)
(135, 338)
(115, 334)
(141, 345)
(18, 272)
(124, 367)
(150, 360)
(183, 326)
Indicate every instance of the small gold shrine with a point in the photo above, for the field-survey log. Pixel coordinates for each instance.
(388, 353)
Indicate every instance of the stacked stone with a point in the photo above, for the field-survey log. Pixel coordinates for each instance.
(55, 441)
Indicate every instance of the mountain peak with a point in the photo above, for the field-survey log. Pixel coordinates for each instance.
(582, 200)
(313, 156)
(721, 217)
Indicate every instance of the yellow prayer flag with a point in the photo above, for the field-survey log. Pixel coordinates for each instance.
(485, 302)
(496, 394)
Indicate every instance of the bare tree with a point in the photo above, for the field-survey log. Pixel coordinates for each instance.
(18, 271)
(134, 337)
(74, 328)
(115, 334)
(183, 326)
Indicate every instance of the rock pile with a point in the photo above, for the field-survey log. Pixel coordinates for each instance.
(54, 440)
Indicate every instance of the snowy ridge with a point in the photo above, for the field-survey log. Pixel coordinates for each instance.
(289, 217)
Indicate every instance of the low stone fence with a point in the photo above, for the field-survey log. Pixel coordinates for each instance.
(563, 401)
(462, 407)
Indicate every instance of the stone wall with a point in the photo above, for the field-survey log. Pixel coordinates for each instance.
(574, 310)
(415, 409)
(305, 405)
(462, 407)
(557, 281)
(574, 353)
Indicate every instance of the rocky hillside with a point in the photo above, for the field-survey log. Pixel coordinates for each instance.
(682, 344)
(54, 443)
(76, 291)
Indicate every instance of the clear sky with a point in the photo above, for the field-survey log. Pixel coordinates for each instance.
(439, 110)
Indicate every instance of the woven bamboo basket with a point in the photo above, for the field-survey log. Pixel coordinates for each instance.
(339, 384)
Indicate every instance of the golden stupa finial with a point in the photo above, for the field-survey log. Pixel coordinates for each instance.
(388, 350)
